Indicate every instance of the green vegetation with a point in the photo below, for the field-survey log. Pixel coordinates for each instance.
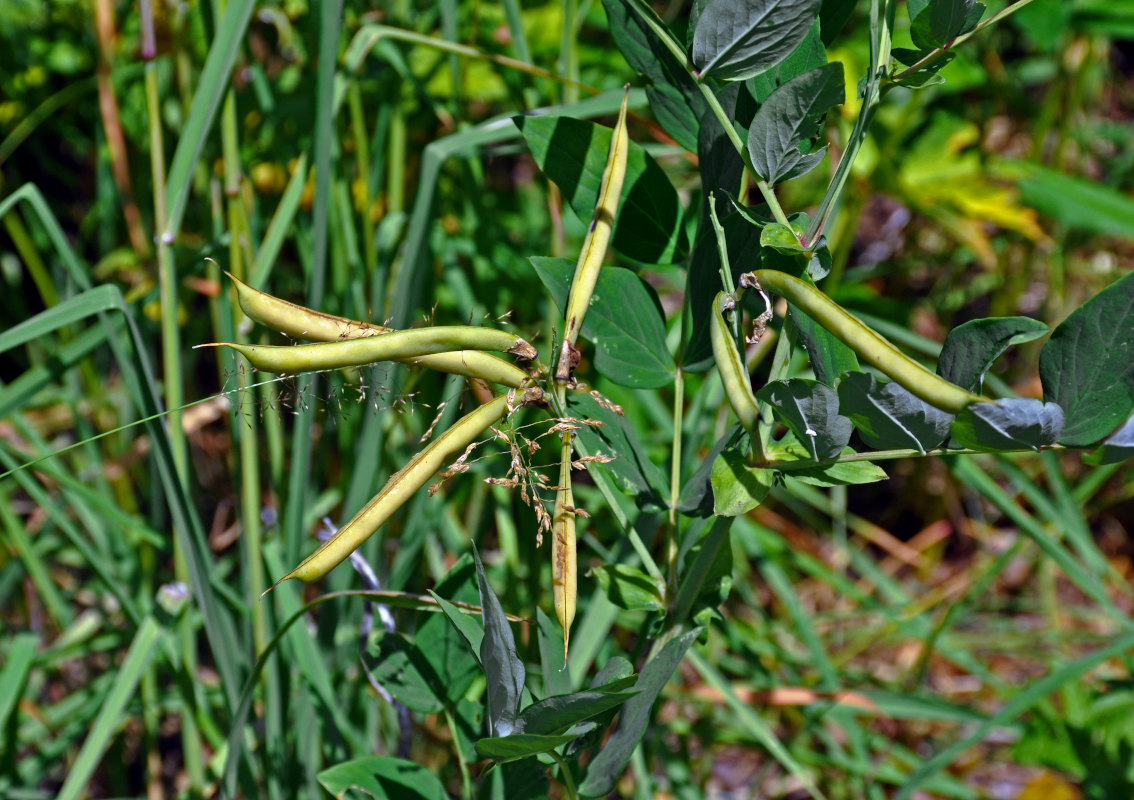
(817, 486)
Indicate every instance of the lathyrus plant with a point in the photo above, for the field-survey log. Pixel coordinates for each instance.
(747, 92)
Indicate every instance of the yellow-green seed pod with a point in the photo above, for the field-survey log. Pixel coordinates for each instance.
(404, 483)
(870, 346)
(304, 323)
(397, 345)
(594, 245)
(564, 578)
(733, 372)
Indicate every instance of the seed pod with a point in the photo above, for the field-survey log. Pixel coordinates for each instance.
(400, 345)
(733, 372)
(564, 586)
(404, 483)
(870, 346)
(594, 245)
(304, 323)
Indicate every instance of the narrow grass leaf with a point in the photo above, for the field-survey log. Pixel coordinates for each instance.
(1081, 204)
(971, 349)
(502, 667)
(608, 763)
(383, 778)
(1012, 710)
(17, 665)
(210, 91)
(137, 661)
(67, 312)
(1087, 366)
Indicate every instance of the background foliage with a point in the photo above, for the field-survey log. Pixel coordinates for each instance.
(963, 625)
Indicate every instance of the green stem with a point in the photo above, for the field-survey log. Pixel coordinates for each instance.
(466, 780)
(661, 30)
(675, 477)
(565, 772)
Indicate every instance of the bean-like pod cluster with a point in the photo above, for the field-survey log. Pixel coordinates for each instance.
(870, 346)
(305, 323)
(733, 372)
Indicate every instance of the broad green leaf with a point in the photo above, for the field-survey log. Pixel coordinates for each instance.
(608, 763)
(923, 76)
(630, 588)
(624, 321)
(1119, 446)
(1087, 366)
(737, 487)
(807, 56)
(519, 745)
(708, 567)
(971, 349)
(674, 96)
(554, 715)
(1079, 203)
(888, 416)
(934, 23)
(697, 495)
(614, 672)
(835, 473)
(838, 473)
(403, 671)
(833, 16)
(829, 357)
(502, 667)
(736, 39)
(443, 646)
(787, 128)
(811, 410)
(572, 153)
(782, 238)
(383, 778)
(631, 468)
(1008, 424)
(470, 629)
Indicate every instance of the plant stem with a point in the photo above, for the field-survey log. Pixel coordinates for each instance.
(675, 478)
(565, 771)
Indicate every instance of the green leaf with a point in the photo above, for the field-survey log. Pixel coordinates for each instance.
(465, 624)
(1008, 424)
(403, 671)
(674, 96)
(519, 745)
(383, 778)
(971, 349)
(630, 588)
(925, 75)
(556, 714)
(736, 39)
(888, 416)
(829, 357)
(1078, 203)
(697, 495)
(809, 55)
(811, 410)
(502, 667)
(934, 23)
(614, 672)
(781, 237)
(1087, 366)
(624, 321)
(556, 680)
(573, 153)
(631, 468)
(1119, 446)
(835, 473)
(608, 763)
(443, 646)
(787, 127)
(737, 487)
